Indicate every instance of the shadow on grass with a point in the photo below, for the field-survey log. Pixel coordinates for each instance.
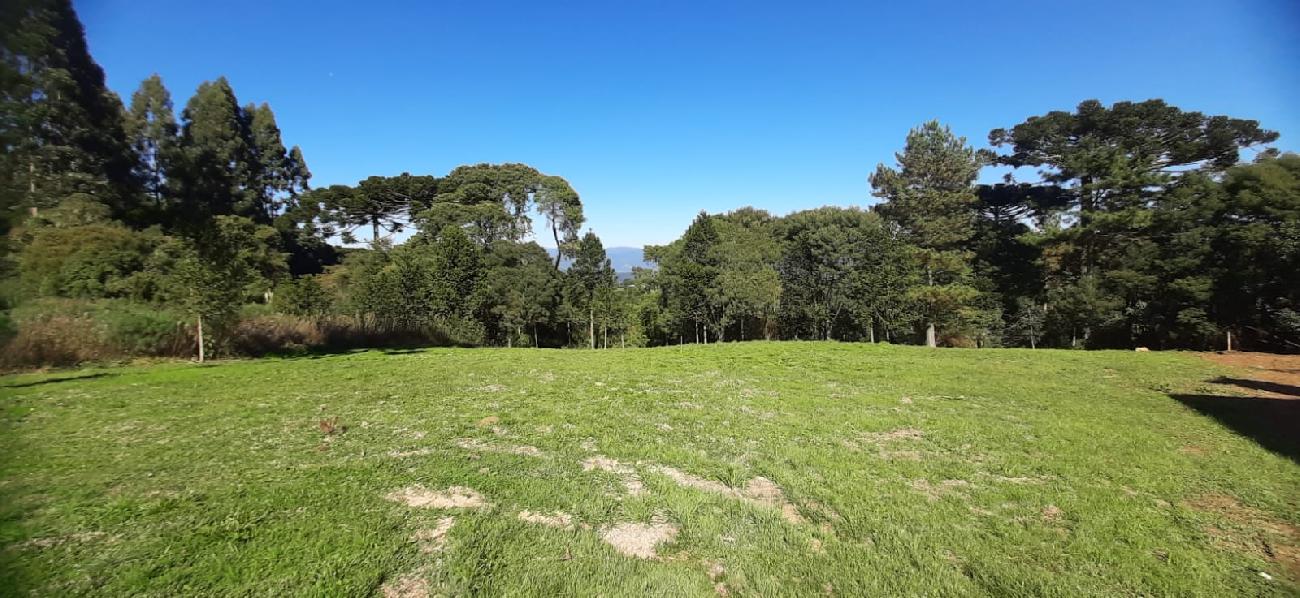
(1272, 423)
(1273, 387)
(57, 380)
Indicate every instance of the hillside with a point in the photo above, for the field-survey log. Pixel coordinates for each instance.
(734, 469)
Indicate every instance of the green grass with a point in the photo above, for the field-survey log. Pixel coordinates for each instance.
(1033, 473)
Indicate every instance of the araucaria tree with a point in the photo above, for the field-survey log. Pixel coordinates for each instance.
(931, 197)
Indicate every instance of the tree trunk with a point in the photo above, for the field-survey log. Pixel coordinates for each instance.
(622, 340)
(591, 326)
(1032, 344)
(930, 339)
(556, 233)
(534, 335)
(200, 339)
(871, 332)
(374, 230)
(1229, 341)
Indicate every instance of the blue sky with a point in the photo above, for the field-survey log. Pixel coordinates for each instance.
(657, 110)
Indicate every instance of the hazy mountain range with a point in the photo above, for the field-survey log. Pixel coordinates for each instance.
(622, 258)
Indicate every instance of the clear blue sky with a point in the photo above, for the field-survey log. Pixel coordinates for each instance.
(656, 110)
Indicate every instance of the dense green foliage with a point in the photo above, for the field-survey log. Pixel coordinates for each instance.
(1141, 227)
(912, 472)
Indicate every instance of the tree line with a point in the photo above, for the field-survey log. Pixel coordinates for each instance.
(1136, 224)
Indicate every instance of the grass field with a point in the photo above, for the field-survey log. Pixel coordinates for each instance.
(741, 469)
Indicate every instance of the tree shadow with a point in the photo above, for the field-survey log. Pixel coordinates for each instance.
(1264, 385)
(57, 380)
(1273, 423)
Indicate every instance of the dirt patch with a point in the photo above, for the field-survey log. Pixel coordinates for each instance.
(411, 453)
(687, 480)
(765, 492)
(1270, 376)
(490, 420)
(558, 519)
(941, 489)
(1052, 513)
(1019, 480)
(414, 584)
(473, 444)
(1251, 530)
(434, 539)
(1194, 451)
(455, 497)
(631, 481)
(760, 491)
(640, 540)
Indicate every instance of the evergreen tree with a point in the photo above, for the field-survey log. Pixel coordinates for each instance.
(694, 275)
(457, 272)
(382, 203)
(217, 159)
(61, 128)
(1113, 166)
(269, 172)
(590, 275)
(931, 197)
(152, 130)
(559, 203)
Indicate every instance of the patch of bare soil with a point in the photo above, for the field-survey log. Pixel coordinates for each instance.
(414, 584)
(473, 444)
(760, 491)
(455, 497)
(490, 420)
(631, 481)
(1273, 376)
(716, 571)
(411, 453)
(434, 539)
(558, 519)
(1251, 530)
(640, 540)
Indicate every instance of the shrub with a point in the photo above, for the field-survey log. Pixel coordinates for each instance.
(65, 332)
(68, 332)
(289, 335)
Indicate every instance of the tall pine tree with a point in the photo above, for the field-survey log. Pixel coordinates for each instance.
(61, 128)
(931, 197)
(152, 131)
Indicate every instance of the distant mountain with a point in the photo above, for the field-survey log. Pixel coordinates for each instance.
(624, 259)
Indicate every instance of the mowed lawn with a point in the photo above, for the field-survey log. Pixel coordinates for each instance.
(758, 469)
